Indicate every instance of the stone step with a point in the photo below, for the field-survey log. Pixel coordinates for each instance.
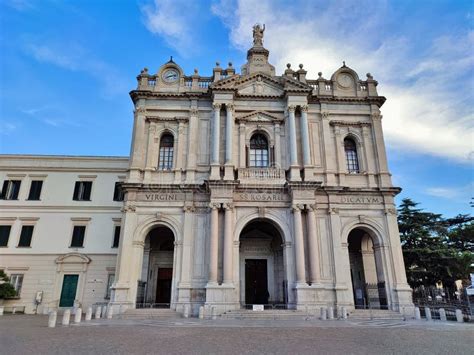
(151, 313)
(267, 314)
(375, 314)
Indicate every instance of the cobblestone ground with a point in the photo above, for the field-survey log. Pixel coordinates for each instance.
(20, 334)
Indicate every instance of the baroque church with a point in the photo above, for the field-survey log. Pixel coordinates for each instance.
(241, 189)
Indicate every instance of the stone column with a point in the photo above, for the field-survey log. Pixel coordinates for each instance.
(242, 151)
(368, 154)
(313, 244)
(192, 144)
(228, 243)
(179, 151)
(229, 133)
(385, 180)
(340, 154)
(292, 134)
(216, 127)
(299, 245)
(150, 151)
(137, 151)
(277, 147)
(305, 136)
(188, 241)
(213, 250)
(329, 154)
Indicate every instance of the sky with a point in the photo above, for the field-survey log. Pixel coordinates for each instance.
(66, 68)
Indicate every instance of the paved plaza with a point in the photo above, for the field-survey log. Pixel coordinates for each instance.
(20, 334)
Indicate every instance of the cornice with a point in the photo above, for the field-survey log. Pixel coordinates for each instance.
(348, 123)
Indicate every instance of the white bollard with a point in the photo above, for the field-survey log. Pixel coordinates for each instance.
(78, 316)
(14, 310)
(459, 316)
(66, 317)
(201, 312)
(110, 312)
(88, 313)
(213, 313)
(442, 315)
(323, 313)
(186, 311)
(52, 319)
(330, 313)
(98, 311)
(344, 313)
(417, 313)
(1, 310)
(104, 312)
(428, 313)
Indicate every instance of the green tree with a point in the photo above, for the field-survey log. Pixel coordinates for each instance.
(6, 288)
(435, 249)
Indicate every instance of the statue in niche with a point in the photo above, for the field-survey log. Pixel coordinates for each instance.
(258, 35)
(258, 86)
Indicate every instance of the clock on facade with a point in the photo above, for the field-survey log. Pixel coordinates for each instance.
(345, 80)
(170, 75)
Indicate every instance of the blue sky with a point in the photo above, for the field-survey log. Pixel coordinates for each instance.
(66, 68)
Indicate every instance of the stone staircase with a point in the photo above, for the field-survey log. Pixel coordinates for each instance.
(151, 313)
(374, 314)
(283, 314)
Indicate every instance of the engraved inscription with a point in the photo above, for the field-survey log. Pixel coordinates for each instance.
(361, 199)
(261, 197)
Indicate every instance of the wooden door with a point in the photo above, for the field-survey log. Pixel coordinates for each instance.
(68, 291)
(256, 281)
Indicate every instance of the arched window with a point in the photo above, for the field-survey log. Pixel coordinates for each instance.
(352, 160)
(258, 151)
(165, 161)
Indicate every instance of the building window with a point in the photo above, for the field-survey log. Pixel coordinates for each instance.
(82, 191)
(165, 161)
(25, 236)
(258, 151)
(4, 235)
(17, 281)
(35, 190)
(110, 281)
(116, 237)
(10, 189)
(78, 236)
(118, 193)
(351, 156)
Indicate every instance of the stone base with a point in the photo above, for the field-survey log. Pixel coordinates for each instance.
(403, 300)
(229, 172)
(313, 297)
(215, 172)
(222, 297)
(295, 174)
(309, 174)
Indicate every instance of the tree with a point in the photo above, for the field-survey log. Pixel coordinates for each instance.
(6, 288)
(435, 249)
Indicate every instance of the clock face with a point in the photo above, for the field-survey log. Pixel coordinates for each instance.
(170, 75)
(345, 80)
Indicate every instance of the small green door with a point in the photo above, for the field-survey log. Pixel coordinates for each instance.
(68, 292)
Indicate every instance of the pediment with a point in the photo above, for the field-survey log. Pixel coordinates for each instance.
(259, 116)
(73, 258)
(260, 86)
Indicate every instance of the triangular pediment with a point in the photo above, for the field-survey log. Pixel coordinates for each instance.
(259, 116)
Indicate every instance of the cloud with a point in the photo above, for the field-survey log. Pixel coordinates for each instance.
(451, 193)
(19, 5)
(50, 115)
(74, 57)
(429, 88)
(7, 127)
(173, 20)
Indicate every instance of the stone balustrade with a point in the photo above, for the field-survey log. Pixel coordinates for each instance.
(261, 175)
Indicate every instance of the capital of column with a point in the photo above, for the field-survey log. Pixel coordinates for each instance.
(193, 112)
(291, 108)
(297, 207)
(229, 107)
(189, 209)
(304, 108)
(325, 115)
(216, 106)
(214, 205)
(311, 207)
(228, 206)
(376, 116)
(139, 110)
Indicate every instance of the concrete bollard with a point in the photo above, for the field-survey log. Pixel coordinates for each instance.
(98, 311)
(78, 316)
(14, 310)
(323, 314)
(88, 313)
(459, 316)
(330, 313)
(417, 313)
(213, 313)
(110, 312)
(186, 311)
(442, 315)
(104, 312)
(428, 313)
(1, 310)
(66, 317)
(201, 312)
(52, 319)
(344, 312)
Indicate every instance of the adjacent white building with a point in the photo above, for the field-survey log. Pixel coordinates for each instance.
(241, 188)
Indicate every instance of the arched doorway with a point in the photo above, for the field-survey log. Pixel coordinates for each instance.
(155, 287)
(368, 284)
(261, 263)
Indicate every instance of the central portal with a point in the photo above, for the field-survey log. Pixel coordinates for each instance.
(262, 270)
(256, 281)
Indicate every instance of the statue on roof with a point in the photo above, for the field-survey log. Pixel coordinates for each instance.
(258, 35)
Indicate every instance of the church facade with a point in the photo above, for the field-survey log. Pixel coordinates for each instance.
(241, 189)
